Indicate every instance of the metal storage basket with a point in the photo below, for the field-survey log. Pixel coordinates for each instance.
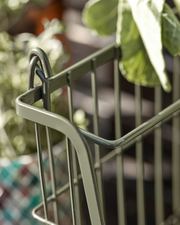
(91, 171)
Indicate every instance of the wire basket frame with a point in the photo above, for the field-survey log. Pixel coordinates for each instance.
(76, 139)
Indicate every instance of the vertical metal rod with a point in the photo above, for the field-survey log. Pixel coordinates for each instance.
(139, 161)
(98, 167)
(52, 172)
(176, 138)
(47, 106)
(118, 132)
(41, 172)
(73, 167)
(158, 161)
(70, 172)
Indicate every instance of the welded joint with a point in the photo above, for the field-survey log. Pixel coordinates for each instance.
(68, 77)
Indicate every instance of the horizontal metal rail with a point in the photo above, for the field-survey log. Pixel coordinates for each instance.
(134, 133)
(49, 199)
(121, 141)
(79, 69)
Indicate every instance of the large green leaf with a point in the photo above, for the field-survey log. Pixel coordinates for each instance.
(147, 15)
(135, 64)
(101, 16)
(170, 31)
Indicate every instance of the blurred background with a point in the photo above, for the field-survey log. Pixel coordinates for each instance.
(56, 26)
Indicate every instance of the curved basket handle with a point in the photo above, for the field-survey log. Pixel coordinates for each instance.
(63, 125)
(43, 60)
(35, 55)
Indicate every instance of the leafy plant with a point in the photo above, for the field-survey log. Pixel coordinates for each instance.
(17, 135)
(142, 27)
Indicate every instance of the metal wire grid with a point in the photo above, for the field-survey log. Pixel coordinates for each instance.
(76, 136)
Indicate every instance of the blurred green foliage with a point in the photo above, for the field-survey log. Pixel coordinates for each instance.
(80, 119)
(17, 135)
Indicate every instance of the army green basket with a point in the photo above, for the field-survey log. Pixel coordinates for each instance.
(77, 140)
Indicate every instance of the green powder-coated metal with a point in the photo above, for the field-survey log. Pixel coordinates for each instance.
(176, 139)
(79, 156)
(158, 159)
(141, 215)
